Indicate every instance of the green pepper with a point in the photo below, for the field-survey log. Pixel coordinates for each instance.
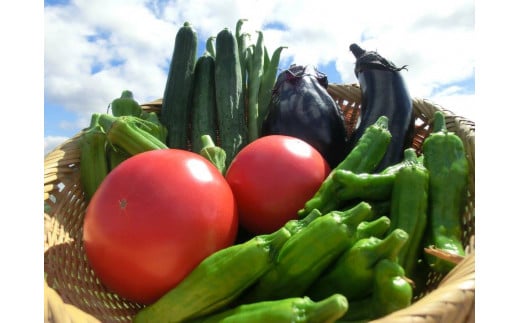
(380, 208)
(375, 228)
(308, 253)
(365, 186)
(353, 273)
(289, 310)
(126, 105)
(364, 158)
(295, 225)
(445, 158)
(409, 207)
(217, 281)
(391, 292)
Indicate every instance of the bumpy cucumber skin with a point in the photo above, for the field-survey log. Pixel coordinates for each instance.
(204, 106)
(229, 95)
(178, 90)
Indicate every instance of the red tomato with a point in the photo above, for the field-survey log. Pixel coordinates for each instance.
(154, 218)
(272, 178)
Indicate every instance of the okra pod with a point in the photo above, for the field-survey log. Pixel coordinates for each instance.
(267, 83)
(255, 70)
(126, 134)
(93, 157)
(210, 46)
(242, 43)
(213, 153)
(115, 156)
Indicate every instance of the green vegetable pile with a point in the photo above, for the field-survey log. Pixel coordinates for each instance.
(225, 91)
(206, 104)
(355, 253)
(113, 137)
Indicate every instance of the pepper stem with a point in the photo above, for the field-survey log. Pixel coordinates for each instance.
(439, 122)
(328, 309)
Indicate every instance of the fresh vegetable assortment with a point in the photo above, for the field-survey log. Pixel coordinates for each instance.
(244, 200)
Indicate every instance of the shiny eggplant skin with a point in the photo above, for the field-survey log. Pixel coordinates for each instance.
(384, 92)
(301, 107)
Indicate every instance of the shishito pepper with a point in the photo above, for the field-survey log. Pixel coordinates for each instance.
(289, 310)
(364, 158)
(375, 228)
(391, 292)
(351, 186)
(408, 210)
(308, 253)
(217, 281)
(445, 159)
(126, 105)
(353, 273)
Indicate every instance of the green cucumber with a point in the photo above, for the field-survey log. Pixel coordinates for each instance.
(176, 98)
(229, 95)
(204, 106)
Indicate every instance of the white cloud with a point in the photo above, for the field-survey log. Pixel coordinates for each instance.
(435, 39)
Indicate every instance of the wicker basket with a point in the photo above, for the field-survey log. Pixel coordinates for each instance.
(73, 293)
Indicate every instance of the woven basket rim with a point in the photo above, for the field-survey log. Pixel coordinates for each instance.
(457, 288)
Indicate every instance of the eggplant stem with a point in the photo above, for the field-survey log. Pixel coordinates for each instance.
(356, 50)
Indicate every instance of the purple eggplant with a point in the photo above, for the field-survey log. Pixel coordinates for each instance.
(384, 92)
(301, 107)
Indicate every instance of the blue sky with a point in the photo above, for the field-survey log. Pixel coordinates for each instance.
(95, 49)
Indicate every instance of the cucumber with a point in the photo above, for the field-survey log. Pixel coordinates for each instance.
(179, 83)
(229, 95)
(204, 109)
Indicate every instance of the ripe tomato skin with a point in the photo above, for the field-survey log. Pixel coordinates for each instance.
(154, 218)
(272, 178)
